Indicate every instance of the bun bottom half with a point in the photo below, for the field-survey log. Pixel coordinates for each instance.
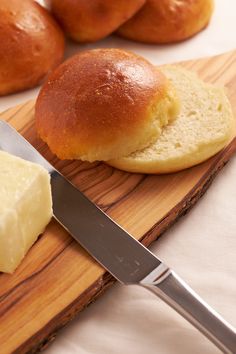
(204, 126)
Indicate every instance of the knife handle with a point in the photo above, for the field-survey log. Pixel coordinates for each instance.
(176, 293)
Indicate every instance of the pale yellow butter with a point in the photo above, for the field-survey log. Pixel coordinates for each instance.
(25, 208)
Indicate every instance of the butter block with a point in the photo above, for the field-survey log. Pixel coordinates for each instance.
(25, 208)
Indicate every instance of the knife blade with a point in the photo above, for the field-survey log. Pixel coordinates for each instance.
(117, 251)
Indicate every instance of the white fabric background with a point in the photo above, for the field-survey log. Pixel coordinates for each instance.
(200, 247)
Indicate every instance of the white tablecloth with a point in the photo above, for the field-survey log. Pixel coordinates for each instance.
(200, 247)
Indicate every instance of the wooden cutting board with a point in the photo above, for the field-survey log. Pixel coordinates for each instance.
(57, 278)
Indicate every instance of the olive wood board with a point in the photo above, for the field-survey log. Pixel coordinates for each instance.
(57, 278)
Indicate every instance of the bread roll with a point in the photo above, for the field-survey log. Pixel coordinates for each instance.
(88, 21)
(103, 104)
(166, 21)
(31, 44)
(203, 127)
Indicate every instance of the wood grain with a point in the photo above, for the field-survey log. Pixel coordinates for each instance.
(57, 278)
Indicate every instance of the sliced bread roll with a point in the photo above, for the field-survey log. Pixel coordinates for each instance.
(203, 127)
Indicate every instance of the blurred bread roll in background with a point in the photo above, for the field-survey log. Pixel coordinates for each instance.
(166, 21)
(88, 21)
(31, 45)
(103, 104)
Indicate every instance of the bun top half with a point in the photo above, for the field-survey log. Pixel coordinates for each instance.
(103, 103)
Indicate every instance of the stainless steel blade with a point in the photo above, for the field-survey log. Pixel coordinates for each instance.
(124, 257)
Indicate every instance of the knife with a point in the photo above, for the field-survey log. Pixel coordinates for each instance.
(117, 251)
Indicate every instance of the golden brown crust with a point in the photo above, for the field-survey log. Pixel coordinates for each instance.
(166, 21)
(31, 44)
(88, 21)
(97, 105)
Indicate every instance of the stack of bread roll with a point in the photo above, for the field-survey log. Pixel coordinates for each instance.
(148, 21)
(114, 106)
(108, 104)
(32, 43)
